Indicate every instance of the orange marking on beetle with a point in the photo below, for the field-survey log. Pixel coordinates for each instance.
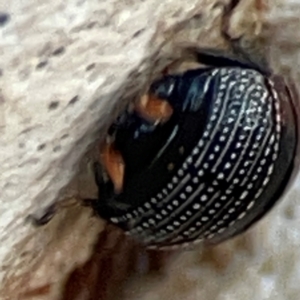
(154, 109)
(114, 165)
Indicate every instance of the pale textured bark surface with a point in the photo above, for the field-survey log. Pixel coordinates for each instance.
(67, 68)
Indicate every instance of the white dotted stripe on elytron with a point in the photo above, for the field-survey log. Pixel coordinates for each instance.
(189, 160)
(227, 145)
(278, 133)
(215, 195)
(254, 127)
(259, 154)
(182, 206)
(270, 168)
(147, 207)
(216, 229)
(158, 237)
(231, 210)
(231, 187)
(181, 172)
(240, 216)
(277, 108)
(187, 233)
(175, 223)
(171, 195)
(228, 90)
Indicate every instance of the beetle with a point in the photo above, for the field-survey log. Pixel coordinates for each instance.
(202, 157)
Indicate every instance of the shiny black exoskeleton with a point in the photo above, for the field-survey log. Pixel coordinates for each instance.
(215, 167)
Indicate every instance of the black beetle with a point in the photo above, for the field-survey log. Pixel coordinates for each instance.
(220, 161)
(213, 156)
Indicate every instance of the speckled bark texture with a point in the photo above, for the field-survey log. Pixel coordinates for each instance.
(66, 69)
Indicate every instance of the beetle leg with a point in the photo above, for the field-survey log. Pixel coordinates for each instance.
(113, 163)
(50, 211)
(44, 219)
(154, 109)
